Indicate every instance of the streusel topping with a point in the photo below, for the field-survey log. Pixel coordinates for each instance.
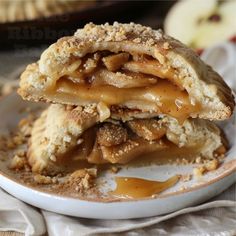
(119, 32)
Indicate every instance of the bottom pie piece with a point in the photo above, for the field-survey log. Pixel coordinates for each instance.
(64, 136)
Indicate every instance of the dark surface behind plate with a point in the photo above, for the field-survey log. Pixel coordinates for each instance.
(47, 30)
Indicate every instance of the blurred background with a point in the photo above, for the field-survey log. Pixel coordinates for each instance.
(37, 22)
(27, 27)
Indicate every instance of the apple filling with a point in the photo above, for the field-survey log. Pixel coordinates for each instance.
(119, 143)
(63, 136)
(124, 80)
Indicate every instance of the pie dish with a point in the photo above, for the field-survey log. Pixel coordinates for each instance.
(21, 10)
(121, 92)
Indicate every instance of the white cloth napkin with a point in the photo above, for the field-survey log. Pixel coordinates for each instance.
(18, 216)
(217, 217)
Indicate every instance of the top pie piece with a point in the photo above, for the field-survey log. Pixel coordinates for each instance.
(128, 66)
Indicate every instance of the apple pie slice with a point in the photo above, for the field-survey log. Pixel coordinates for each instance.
(63, 136)
(128, 66)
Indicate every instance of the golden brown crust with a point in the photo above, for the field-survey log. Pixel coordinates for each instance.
(56, 132)
(203, 84)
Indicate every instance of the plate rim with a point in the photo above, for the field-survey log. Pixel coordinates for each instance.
(229, 171)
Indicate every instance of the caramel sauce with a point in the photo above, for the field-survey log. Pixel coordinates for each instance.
(169, 155)
(130, 187)
(168, 98)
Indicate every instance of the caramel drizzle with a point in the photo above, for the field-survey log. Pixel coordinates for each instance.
(130, 187)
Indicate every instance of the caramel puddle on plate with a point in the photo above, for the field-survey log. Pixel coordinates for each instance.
(129, 187)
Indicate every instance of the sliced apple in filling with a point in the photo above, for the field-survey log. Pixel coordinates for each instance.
(149, 129)
(128, 66)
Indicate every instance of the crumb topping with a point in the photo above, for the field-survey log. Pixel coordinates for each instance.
(82, 179)
(80, 114)
(119, 32)
(18, 162)
(42, 179)
(209, 165)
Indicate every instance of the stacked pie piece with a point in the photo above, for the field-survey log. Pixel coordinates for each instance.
(119, 92)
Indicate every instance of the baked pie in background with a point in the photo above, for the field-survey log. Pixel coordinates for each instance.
(22, 10)
(120, 92)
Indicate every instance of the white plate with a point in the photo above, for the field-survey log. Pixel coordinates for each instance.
(182, 195)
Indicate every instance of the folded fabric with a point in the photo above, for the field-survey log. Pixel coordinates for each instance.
(18, 216)
(217, 217)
